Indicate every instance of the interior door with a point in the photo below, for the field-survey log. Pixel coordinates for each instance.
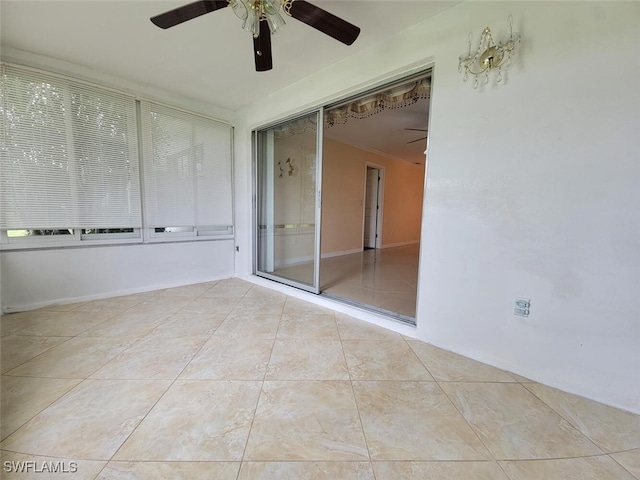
(288, 182)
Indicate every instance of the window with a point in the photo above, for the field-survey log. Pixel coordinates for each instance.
(70, 168)
(187, 174)
(69, 157)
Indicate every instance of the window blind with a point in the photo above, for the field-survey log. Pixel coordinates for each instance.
(187, 169)
(69, 155)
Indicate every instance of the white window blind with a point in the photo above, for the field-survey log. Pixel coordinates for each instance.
(187, 170)
(69, 154)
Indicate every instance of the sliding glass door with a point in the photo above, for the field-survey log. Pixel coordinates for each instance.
(288, 184)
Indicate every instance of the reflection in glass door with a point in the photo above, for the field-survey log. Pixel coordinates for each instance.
(287, 209)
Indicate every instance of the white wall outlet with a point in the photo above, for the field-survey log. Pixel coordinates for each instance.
(522, 306)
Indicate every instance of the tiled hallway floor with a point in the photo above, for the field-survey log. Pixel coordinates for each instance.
(385, 279)
(228, 381)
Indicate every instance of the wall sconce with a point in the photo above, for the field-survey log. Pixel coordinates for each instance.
(489, 55)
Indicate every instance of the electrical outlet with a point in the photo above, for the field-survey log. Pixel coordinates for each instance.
(522, 306)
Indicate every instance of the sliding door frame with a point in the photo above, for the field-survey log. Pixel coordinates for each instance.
(315, 287)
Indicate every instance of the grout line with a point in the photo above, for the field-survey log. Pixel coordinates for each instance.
(467, 422)
(576, 427)
(621, 465)
(255, 411)
(355, 399)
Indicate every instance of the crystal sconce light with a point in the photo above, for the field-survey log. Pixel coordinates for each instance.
(489, 56)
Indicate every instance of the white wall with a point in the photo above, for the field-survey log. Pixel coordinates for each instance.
(37, 278)
(531, 189)
(34, 278)
(344, 170)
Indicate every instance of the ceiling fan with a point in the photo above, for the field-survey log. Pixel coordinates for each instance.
(262, 18)
(417, 130)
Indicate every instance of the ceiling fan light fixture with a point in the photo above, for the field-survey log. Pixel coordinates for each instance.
(252, 23)
(252, 12)
(240, 9)
(276, 21)
(262, 18)
(271, 7)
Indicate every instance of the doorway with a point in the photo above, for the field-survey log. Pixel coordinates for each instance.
(349, 225)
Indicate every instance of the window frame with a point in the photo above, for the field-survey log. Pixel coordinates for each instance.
(140, 235)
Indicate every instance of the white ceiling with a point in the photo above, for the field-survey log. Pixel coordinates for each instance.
(386, 133)
(208, 59)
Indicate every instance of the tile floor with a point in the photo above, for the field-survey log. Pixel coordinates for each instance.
(386, 279)
(231, 381)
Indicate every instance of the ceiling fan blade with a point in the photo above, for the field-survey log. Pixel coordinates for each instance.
(414, 141)
(262, 48)
(324, 21)
(187, 12)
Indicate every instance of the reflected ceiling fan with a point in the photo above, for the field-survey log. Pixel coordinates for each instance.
(417, 130)
(263, 18)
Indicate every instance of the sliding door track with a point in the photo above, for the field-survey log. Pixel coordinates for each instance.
(370, 308)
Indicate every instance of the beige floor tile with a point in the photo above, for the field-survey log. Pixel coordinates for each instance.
(24, 397)
(611, 429)
(256, 304)
(450, 367)
(161, 305)
(68, 324)
(266, 294)
(306, 471)
(353, 329)
(153, 357)
(189, 324)
(414, 421)
(519, 378)
(64, 307)
(307, 359)
(224, 358)
(191, 291)
(114, 304)
(514, 424)
(32, 467)
(170, 471)
(588, 468)
(129, 324)
(295, 306)
(249, 325)
(196, 420)
(383, 360)
(229, 288)
(629, 460)
(13, 323)
(211, 305)
(78, 357)
(308, 326)
(306, 421)
(438, 471)
(18, 349)
(90, 422)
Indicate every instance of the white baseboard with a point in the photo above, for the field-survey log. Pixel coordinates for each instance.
(340, 254)
(299, 260)
(401, 244)
(290, 262)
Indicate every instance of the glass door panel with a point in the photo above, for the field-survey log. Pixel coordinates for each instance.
(287, 208)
